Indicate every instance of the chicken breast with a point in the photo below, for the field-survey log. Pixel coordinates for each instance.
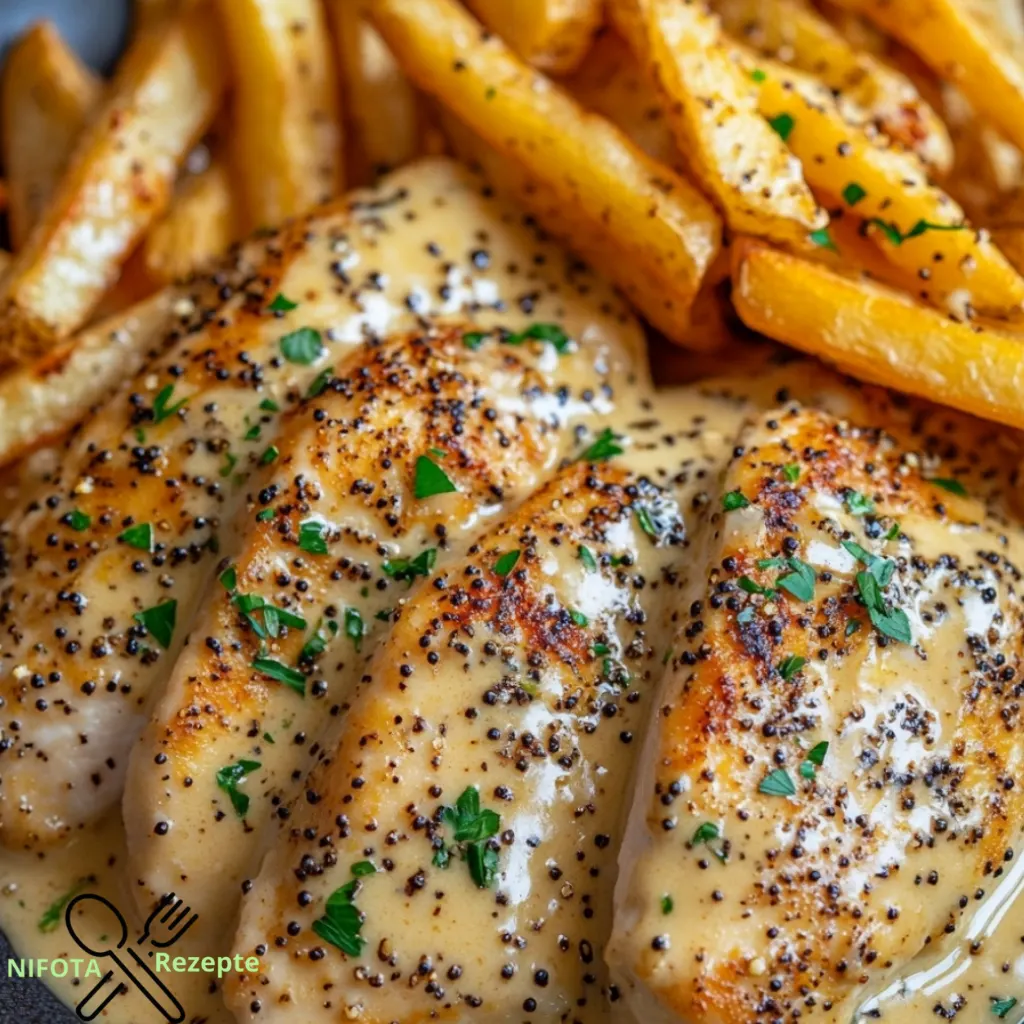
(833, 773)
(104, 570)
(380, 481)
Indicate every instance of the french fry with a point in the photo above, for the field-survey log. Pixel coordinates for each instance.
(553, 35)
(878, 334)
(41, 401)
(118, 181)
(286, 131)
(380, 105)
(793, 32)
(920, 229)
(964, 46)
(48, 95)
(711, 106)
(200, 224)
(646, 228)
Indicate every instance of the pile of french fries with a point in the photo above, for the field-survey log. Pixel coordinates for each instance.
(843, 176)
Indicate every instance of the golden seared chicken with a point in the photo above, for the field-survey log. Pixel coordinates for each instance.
(106, 567)
(832, 779)
(378, 481)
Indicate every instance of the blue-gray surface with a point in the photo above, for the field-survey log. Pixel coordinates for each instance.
(97, 30)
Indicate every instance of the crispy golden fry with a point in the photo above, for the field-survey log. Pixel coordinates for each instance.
(711, 106)
(41, 401)
(794, 33)
(200, 224)
(553, 35)
(965, 45)
(878, 334)
(118, 181)
(48, 95)
(286, 130)
(920, 229)
(380, 105)
(647, 229)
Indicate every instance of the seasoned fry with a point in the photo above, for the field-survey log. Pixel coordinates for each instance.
(41, 401)
(964, 46)
(793, 32)
(380, 104)
(286, 129)
(920, 229)
(878, 334)
(48, 95)
(711, 106)
(553, 35)
(645, 227)
(118, 181)
(200, 224)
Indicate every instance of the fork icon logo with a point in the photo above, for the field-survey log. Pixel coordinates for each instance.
(164, 926)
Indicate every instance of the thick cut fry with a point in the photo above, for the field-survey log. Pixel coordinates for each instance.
(40, 402)
(643, 226)
(200, 225)
(47, 96)
(380, 104)
(964, 46)
(796, 34)
(920, 229)
(118, 181)
(553, 35)
(878, 334)
(286, 132)
(711, 106)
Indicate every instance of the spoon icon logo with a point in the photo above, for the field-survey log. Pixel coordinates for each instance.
(165, 925)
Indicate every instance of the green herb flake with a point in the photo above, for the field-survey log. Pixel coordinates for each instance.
(896, 237)
(782, 125)
(320, 382)
(734, 500)
(304, 346)
(264, 514)
(800, 582)
(341, 921)
(363, 868)
(893, 532)
(78, 520)
(757, 75)
(667, 904)
(317, 643)
(853, 194)
(777, 783)
(139, 536)
(852, 626)
(1001, 1007)
(472, 828)
(858, 504)
(409, 568)
(282, 305)
(605, 446)
(473, 340)
(253, 433)
(229, 579)
(816, 755)
(750, 586)
(551, 333)
(791, 472)
(269, 405)
(268, 737)
(311, 537)
(230, 777)
(746, 616)
(291, 677)
(355, 628)
(586, 556)
(949, 484)
(823, 240)
(230, 461)
(54, 913)
(643, 517)
(431, 479)
(159, 621)
(707, 834)
(269, 454)
(790, 665)
(506, 563)
(578, 617)
(161, 410)
(892, 622)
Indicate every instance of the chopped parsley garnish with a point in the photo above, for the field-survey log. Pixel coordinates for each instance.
(800, 582)
(409, 568)
(473, 340)
(254, 607)
(823, 240)
(230, 461)
(139, 536)
(269, 405)
(311, 537)
(269, 454)
(354, 627)
(272, 668)
(431, 479)
(792, 472)
(317, 643)
(161, 410)
(363, 868)
(1001, 1007)
(852, 626)
(643, 517)
(949, 484)
(757, 75)
(893, 532)
(893, 622)
(384, 615)
(342, 921)
(551, 333)
(320, 382)
(264, 514)
(229, 578)
(578, 617)
(230, 777)
(587, 558)
(78, 520)
(745, 616)
(506, 563)
(282, 305)
(881, 568)
(782, 125)
(667, 904)
(790, 665)
(858, 504)
(893, 234)
(268, 737)
(814, 760)
(734, 500)
(253, 432)
(705, 835)
(605, 446)
(745, 583)
(472, 828)
(303, 346)
(159, 621)
(853, 194)
(777, 783)
(51, 916)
